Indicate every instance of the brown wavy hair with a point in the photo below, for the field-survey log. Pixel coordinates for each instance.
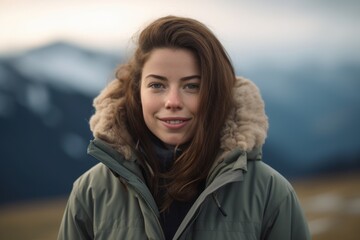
(217, 80)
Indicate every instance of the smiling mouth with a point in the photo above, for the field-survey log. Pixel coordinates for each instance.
(174, 121)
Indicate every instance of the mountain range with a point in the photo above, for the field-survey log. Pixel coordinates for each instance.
(46, 101)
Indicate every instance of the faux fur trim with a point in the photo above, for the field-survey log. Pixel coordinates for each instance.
(247, 124)
(103, 123)
(245, 128)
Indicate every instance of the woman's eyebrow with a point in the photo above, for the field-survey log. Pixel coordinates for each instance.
(156, 76)
(191, 77)
(162, 78)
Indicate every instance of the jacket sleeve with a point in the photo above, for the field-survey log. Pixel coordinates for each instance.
(77, 219)
(286, 221)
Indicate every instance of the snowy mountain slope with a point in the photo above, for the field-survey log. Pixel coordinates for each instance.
(46, 101)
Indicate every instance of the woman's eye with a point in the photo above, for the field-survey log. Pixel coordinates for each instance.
(156, 85)
(192, 86)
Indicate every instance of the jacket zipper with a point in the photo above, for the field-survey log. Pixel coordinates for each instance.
(152, 210)
(192, 214)
(219, 182)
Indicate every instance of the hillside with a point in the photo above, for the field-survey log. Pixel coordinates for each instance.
(46, 101)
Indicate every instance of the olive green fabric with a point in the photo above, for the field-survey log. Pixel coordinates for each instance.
(244, 199)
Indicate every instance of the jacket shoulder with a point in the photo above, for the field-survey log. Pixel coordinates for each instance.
(95, 177)
(98, 184)
(282, 208)
(77, 222)
(101, 205)
(267, 176)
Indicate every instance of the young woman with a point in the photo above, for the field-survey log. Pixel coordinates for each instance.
(179, 140)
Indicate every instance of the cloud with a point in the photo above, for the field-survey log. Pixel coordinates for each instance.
(243, 24)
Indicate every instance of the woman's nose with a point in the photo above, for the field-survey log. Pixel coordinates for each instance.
(173, 99)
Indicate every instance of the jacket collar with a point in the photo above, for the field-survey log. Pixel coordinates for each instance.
(245, 128)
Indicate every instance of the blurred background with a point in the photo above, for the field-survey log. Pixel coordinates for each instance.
(55, 56)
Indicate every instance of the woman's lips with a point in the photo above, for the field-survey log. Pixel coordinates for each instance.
(175, 122)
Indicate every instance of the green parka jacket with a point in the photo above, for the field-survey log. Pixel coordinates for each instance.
(243, 198)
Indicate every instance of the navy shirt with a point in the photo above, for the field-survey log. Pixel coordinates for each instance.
(172, 217)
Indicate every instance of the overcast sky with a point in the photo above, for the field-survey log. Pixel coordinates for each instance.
(325, 26)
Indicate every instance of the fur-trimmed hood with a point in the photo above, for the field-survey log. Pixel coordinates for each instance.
(245, 128)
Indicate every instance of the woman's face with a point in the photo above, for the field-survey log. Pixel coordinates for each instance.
(170, 84)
